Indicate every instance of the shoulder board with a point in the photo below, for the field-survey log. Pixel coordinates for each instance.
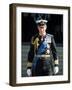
(49, 38)
(50, 35)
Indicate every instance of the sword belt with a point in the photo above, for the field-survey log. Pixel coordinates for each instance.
(42, 56)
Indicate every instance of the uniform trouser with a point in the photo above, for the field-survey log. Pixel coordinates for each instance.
(42, 67)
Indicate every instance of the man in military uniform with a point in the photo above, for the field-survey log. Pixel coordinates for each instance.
(42, 57)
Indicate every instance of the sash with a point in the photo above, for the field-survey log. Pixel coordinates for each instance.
(42, 48)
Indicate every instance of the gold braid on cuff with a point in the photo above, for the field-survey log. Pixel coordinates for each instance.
(29, 64)
(56, 62)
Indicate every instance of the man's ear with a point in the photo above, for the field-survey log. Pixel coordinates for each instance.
(46, 26)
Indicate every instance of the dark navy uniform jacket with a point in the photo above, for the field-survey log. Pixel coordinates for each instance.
(42, 46)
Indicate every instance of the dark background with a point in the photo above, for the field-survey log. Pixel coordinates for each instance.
(54, 26)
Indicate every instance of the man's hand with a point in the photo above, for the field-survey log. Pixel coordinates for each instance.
(29, 73)
(56, 69)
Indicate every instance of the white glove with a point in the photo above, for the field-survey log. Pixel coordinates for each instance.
(56, 69)
(29, 72)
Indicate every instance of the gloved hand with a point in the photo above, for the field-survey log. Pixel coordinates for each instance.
(29, 73)
(56, 69)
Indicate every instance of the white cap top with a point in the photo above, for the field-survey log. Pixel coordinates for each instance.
(41, 20)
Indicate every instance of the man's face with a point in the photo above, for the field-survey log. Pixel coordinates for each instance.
(42, 29)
